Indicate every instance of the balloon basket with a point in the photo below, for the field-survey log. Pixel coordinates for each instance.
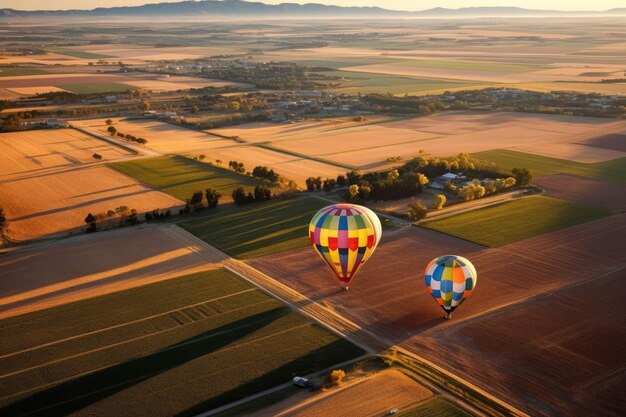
(447, 316)
(345, 288)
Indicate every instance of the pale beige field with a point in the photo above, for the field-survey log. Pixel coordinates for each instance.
(31, 153)
(28, 85)
(170, 139)
(370, 396)
(370, 146)
(31, 91)
(92, 265)
(57, 203)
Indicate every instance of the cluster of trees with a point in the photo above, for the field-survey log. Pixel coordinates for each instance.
(272, 75)
(479, 189)
(263, 173)
(124, 213)
(196, 201)
(498, 99)
(157, 215)
(113, 132)
(11, 123)
(261, 193)
(388, 185)
(316, 183)
(246, 103)
(237, 166)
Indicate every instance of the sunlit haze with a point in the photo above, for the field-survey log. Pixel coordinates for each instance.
(397, 5)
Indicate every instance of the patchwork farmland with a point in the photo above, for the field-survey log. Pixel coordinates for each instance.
(191, 337)
(213, 310)
(548, 275)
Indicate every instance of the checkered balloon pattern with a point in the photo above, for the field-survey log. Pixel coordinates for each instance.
(345, 236)
(450, 280)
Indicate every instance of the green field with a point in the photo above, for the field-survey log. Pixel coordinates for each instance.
(259, 229)
(437, 407)
(516, 220)
(177, 347)
(181, 177)
(12, 71)
(79, 54)
(540, 166)
(469, 65)
(363, 82)
(96, 88)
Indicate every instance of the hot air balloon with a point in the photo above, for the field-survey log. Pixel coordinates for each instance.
(450, 279)
(345, 236)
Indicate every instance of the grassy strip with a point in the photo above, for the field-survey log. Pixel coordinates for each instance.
(259, 229)
(181, 177)
(437, 407)
(180, 363)
(79, 54)
(540, 166)
(516, 220)
(365, 82)
(469, 65)
(95, 88)
(449, 384)
(13, 71)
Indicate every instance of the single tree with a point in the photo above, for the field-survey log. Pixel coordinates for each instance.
(440, 200)
(109, 122)
(212, 197)
(310, 184)
(522, 176)
(91, 221)
(341, 181)
(112, 130)
(196, 200)
(417, 211)
(336, 376)
(239, 196)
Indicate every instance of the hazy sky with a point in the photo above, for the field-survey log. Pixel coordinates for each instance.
(388, 4)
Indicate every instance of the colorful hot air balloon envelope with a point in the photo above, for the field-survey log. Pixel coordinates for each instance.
(450, 279)
(345, 236)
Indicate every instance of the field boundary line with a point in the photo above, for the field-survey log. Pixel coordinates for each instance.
(106, 329)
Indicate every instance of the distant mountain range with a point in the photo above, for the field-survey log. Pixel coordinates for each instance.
(244, 9)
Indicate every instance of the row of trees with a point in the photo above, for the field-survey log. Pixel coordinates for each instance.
(124, 213)
(113, 132)
(237, 166)
(316, 183)
(261, 193)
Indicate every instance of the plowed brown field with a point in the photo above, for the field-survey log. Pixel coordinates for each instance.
(585, 190)
(389, 299)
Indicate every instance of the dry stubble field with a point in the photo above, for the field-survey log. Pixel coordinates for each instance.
(370, 396)
(48, 183)
(547, 275)
(41, 276)
(171, 139)
(370, 145)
